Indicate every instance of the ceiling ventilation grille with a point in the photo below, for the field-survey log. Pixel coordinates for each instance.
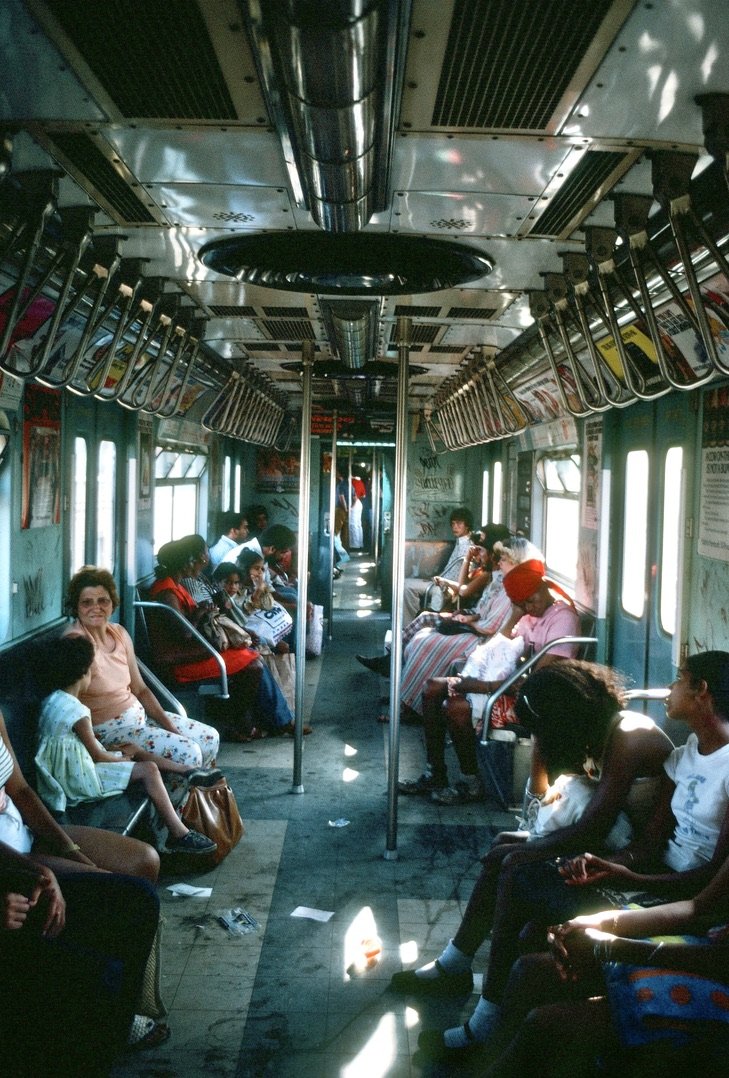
(475, 313)
(586, 185)
(83, 154)
(257, 346)
(154, 59)
(421, 334)
(446, 349)
(288, 329)
(507, 65)
(286, 312)
(403, 311)
(223, 311)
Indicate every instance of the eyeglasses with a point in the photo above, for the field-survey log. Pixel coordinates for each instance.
(88, 603)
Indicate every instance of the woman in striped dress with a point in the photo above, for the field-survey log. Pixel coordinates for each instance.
(430, 654)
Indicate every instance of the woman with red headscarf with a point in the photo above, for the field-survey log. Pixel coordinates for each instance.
(541, 612)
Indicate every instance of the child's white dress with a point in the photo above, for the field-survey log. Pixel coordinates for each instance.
(66, 773)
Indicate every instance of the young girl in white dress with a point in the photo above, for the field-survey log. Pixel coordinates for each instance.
(73, 766)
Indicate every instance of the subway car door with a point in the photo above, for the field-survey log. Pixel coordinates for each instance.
(95, 442)
(651, 444)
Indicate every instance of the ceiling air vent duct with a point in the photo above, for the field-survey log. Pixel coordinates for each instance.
(333, 83)
(352, 329)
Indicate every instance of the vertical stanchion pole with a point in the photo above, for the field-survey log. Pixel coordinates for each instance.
(375, 512)
(332, 514)
(404, 328)
(307, 355)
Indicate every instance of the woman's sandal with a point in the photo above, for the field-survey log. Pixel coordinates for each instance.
(156, 1034)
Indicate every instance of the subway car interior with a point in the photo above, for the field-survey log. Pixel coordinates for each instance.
(464, 253)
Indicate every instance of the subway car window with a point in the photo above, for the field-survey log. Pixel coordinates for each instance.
(77, 518)
(560, 480)
(671, 538)
(226, 484)
(176, 493)
(236, 488)
(105, 506)
(497, 509)
(635, 532)
(485, 482)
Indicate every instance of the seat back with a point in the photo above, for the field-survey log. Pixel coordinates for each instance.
(150, 616)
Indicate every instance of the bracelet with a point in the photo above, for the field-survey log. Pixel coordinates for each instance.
(601, 950)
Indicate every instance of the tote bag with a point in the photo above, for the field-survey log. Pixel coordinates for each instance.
(315, 631)
(212, 810)
(283, 671)
(270, 626)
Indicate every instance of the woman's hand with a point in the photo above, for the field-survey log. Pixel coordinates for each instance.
(572, 950)
(14, 910)
(455, 685)
(128, 750)
(587, 868)
(49, 892)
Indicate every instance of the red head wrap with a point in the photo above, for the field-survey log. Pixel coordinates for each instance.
(522, 581)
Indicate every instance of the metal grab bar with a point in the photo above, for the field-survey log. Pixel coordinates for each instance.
(147, 604)
(540, 310)
(42, 204)
(557, 293)
(99, 278)
(523, 669)
(671, 174)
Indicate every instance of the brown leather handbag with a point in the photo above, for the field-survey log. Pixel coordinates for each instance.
(212, 810)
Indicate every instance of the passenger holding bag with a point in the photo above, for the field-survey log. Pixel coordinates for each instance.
(268, 621)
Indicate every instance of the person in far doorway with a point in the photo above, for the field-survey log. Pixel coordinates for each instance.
(257, 520)
(234, 527)
(356, 536)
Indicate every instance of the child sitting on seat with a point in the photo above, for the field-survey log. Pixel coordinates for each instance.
(73, 766)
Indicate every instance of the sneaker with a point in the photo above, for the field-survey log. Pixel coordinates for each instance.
(460, 794)
(202, 777)
(422, 785)
(447, 984)
(193, 842)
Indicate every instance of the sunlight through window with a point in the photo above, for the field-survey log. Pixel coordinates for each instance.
(364, 613)
(360, 941)
(349, 750)
(348, 775)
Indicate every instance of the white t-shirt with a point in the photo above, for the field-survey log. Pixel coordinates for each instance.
(699, 803)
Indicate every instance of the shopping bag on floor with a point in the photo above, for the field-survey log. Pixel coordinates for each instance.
(283, 671)
(315, 631)
(212, 810)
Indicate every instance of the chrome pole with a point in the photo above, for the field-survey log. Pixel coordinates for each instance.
(404, 329)
(332, 512)
(307, 356)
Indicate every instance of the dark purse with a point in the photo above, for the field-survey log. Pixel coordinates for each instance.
(449, 627)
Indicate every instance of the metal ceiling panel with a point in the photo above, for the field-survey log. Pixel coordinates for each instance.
(459, 214)
(209, 205)
(233, 156)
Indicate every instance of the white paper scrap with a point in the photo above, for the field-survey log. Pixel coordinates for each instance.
(313, 915)
(341, 822)
(189, 891)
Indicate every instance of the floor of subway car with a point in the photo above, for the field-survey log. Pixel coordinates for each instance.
(289, 998)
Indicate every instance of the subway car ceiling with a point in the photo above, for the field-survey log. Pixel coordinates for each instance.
(527, 199)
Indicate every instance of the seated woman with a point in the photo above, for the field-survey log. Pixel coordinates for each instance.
(422, 639)
(682, 846)
(251, 687)
(67, 918)
(561, 1007)
(252, 594)
(431, 653)
(73, 766)
(123, 708)
(538, 616)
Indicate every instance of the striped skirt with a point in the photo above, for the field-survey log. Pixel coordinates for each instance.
(431, 654)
